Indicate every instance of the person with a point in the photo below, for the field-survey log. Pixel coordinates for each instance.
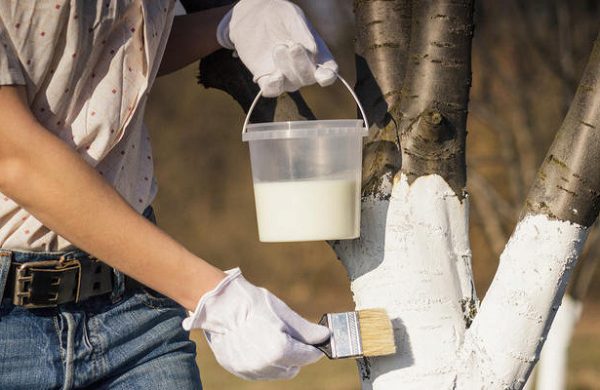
(94, 294)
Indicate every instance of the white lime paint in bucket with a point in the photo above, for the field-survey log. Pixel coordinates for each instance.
(307, 210)
(307, 177)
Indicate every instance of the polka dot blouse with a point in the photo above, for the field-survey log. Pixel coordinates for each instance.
(87, 67)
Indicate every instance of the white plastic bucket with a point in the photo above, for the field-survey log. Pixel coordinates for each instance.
(307, 177)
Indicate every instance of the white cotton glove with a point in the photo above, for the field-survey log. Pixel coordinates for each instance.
(278, 45)
(252, 333)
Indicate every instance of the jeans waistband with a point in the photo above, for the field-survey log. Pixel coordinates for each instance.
(9, 256)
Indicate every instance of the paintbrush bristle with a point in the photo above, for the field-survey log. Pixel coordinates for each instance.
(376, 333)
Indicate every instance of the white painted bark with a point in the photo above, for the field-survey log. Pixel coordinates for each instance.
(551, 371)
(413, 259)
(506, 336)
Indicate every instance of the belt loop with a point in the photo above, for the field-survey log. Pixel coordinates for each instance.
(5, 257)
(118, 286)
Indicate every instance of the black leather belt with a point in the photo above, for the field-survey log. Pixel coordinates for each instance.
(49, 283)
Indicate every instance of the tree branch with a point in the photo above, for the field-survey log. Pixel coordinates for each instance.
(567, 186)
(222, 71)
(382, 38)
(511, 159)
(436, 92)
(488, 211)
(528, 33)
(536, 264)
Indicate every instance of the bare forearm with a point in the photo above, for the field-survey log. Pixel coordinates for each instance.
(192, 37)
(46, 177)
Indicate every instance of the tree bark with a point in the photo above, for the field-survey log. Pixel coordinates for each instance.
(413, 256)
(436, 92)
(382, 39)
(567, 186)
(536, 264)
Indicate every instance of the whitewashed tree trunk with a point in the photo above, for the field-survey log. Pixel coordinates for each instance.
(551, 371)
(422, 276)
(413, 257)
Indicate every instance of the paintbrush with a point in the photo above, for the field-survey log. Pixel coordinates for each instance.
(355, 334)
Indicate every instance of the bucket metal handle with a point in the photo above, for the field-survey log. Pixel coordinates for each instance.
(346, 84)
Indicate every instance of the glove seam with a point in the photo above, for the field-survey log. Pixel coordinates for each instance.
(232, 274)
(193, 317)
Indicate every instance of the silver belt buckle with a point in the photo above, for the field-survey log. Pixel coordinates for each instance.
(25, 286)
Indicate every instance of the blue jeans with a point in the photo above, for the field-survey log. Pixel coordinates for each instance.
(130, 339)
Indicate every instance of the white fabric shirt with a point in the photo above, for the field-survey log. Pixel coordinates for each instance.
(87, 66)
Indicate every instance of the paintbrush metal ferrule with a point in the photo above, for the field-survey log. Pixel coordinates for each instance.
(345, 340)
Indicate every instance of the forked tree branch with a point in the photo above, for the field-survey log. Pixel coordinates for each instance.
(567, 186)
(536, 264)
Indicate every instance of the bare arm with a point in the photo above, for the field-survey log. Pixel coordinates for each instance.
(192, 37)
(46, 177)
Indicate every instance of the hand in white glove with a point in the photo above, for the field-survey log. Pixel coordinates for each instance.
(252, 333)
(278, 45)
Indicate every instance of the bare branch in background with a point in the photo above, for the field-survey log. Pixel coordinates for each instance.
(565, 47)
(512, 160)
(525, 135)
(505, 209)
(526, 24)
(486, 205)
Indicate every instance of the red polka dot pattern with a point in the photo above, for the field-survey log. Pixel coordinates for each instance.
(92, 101)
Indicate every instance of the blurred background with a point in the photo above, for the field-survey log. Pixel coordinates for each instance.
(527, 60)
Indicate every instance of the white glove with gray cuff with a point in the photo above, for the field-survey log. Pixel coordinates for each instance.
(253, 334)
(278, 45)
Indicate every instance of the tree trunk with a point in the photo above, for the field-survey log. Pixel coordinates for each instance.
(551, 371)
(409, 258)
(413, 256)
(382, 38)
